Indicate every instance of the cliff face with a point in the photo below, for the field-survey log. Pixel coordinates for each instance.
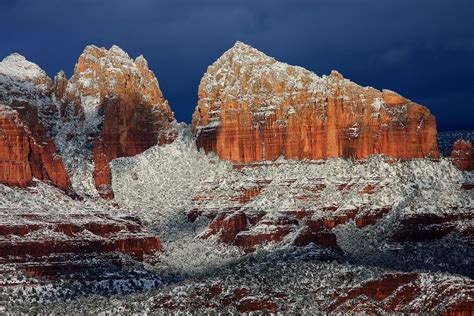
(120, 104)
(463, 155)
(27, 114)
(253, 108)
(14, 150)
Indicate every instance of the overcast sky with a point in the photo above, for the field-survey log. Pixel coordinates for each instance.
(423, 49)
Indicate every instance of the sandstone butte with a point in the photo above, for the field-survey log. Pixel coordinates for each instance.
(119, 102)
(462, 155)
(26, 111)
(252, 107)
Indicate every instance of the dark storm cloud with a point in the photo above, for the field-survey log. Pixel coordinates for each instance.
(423, 49)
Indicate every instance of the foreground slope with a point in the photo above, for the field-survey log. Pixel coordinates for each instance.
(369, 269)
(376, 210)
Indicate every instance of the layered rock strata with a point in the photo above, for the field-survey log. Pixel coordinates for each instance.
(44, 244)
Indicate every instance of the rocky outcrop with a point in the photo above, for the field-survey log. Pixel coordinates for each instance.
(348, 292)
(428, 227)
(119, 104)
(252, 107)
(27, 116)
(243, 211)
(236, 222)
(42, 243)
(22, 81)
(462, 155)
(14, 150)
(60, 85)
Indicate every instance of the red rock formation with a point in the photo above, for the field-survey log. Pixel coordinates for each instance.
(251, 240)
(238, 225)
(26, 151)
(253, 108)
(462, 155)
(15, 167)
(308, 219)
(232, 225)
(60, 85)
(371, 217)
(322, 238)
(27, 115)
(121, 104)
(379, 290)
(384, 293)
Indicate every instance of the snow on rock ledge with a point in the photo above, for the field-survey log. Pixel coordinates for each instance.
(26, 151)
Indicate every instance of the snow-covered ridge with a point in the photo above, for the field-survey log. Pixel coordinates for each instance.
(179, 172)
(254, 65)
(244, 74)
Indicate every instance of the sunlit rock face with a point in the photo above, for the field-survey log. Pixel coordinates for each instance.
(14, 150)
(252, 107)
(463, 155)
(27, 116)
(120, 105)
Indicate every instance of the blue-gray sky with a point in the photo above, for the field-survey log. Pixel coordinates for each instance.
(423, 49)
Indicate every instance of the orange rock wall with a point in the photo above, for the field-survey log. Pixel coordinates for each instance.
(15, 168)
(26, 151)
(463, 155)
(77, 241)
